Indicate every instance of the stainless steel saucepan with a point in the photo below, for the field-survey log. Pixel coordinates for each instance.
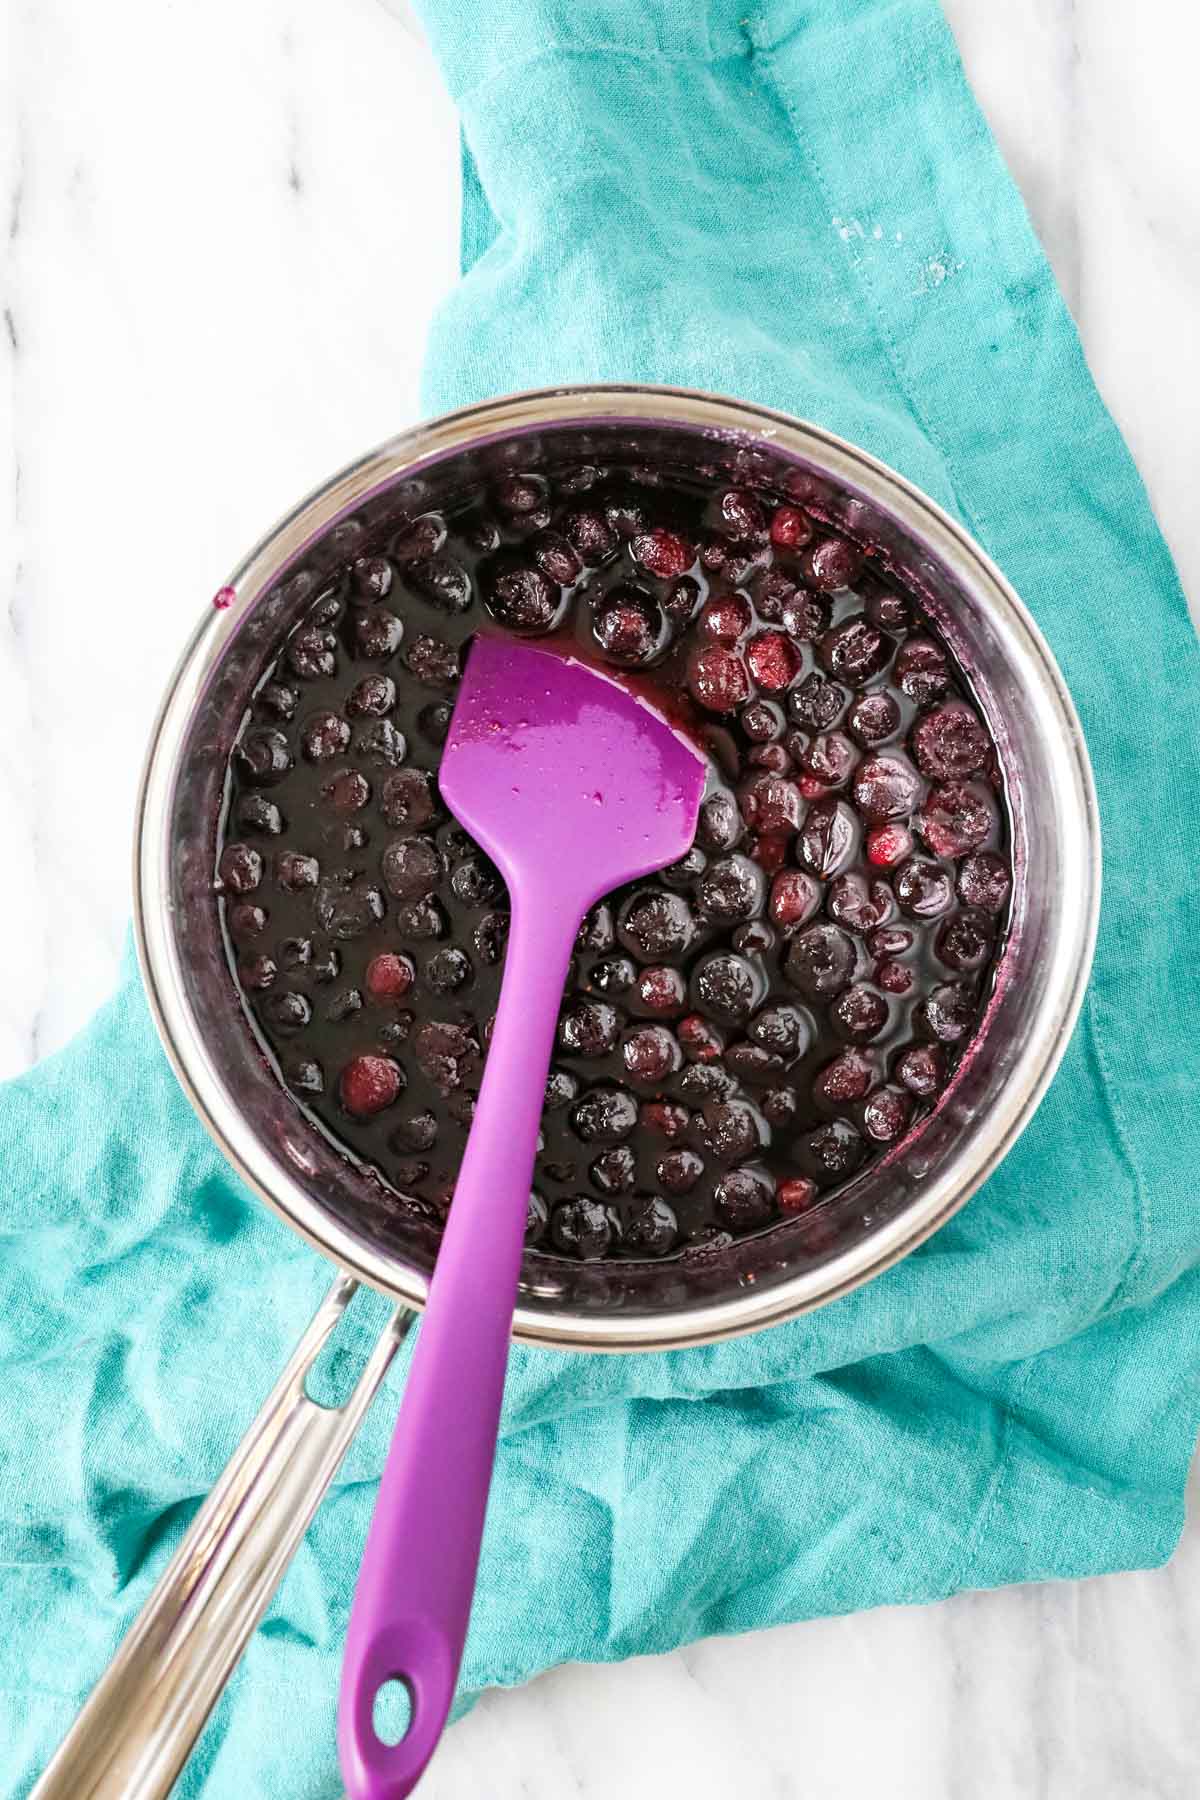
(139, 1724)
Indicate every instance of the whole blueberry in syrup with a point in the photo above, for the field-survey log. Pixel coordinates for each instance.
(741, 1034)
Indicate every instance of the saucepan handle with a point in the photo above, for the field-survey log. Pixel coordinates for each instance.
(141, 1720)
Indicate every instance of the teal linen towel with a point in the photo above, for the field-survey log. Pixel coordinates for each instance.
(802, 206)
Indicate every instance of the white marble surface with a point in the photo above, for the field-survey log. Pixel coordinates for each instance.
(224, 228)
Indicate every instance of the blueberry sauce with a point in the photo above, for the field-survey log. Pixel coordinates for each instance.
(740, 1035)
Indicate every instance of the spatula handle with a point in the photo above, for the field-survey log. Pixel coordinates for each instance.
(413, 1598)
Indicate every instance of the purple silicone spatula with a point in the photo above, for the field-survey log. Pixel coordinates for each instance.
(572, 786)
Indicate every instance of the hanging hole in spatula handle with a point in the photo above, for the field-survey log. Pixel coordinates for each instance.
(415, 1655)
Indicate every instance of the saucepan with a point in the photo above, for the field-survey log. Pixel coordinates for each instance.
(140, 1722)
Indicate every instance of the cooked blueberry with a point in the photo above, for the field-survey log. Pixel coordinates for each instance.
(389, 977)
(854, 651)
(780, 1106)
(475, 881)
(726, 987)
(381, 744)
(441, 581)
(605, 1115)
(848, 1077)
(947, 1011)
(295, 871)
(949, 743)
(859, 1014)
(378, 634)
(411, 868)
(886, 1115)
(965, 941)
(422, 538)
(583, 1228)
(592, 536)
(326, 965)
(731, 889)
(774, 661)
(372, 698)
(448, 970)
(343, 1005)
(679, 1171)
(305, 1076)
(754, 938)
(754, 1066)
(832, 1152)
(445, 1053)
(921, 1069)
(523, 598)
(286, 1011)
(924, 889)
(984, 881)
(921, 670)
(277, 700)
(718, 678)
(257, 814)
(885, 787)
(771, 805)
(263, 757)
(827, 838)
(831, 563)
(614, 1171)
(371, 577)
(699, 1039)
(597, 931)
(519, 495)
(820, 961)
(589, 1028)
(659, 990)
(888, 610)
(795, 897)
(744, 1200)
(433, 662)
(762, 721)
(346, 905)
(313, 653)
(240, 869)
(874, 718)
(720, 822)
(397, 1030)
(408, 799)
(556, 557)
(615, 976)
(955, 818)
(421, 920)
(816, 704)
(686, 872)
(656, 926)
(561, 1089)
(257, 973)
(650, 1228)
(490, 936)
(368, 1084)
(782, 1029)
(246, 920)
(650, 1053)
(628, 626)
(730, 1131)
(702, 1083)
(829, 757)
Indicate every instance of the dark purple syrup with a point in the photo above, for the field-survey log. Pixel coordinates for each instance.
(743, 1033)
